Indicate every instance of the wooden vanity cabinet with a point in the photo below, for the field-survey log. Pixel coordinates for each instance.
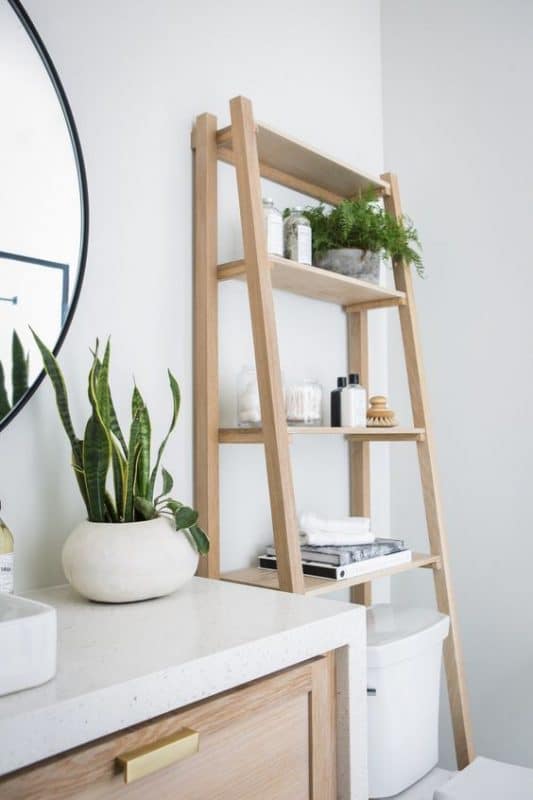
(272, 739)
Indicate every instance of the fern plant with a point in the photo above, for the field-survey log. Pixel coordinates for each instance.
(20, 363)
(104, 448)
(364, 224)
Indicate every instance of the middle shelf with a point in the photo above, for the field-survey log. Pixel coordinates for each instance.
(255, 435)
(319, 284)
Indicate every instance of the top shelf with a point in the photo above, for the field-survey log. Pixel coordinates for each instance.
(291, 163)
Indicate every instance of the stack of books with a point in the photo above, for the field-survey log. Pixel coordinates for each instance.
(346, 561)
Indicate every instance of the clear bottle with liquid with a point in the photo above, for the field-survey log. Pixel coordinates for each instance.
(7, 558)
(273, 227)
(353, 403)
(297, 237)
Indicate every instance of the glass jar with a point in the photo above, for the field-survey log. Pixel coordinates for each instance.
(248, 405)
(297, 237)
(273, 227)
(304, 403)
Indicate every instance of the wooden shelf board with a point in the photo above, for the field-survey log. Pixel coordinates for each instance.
(292, 163)
(316, 283)
(255, 435)
(268, 579)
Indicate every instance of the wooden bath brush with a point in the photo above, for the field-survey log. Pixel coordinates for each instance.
(378, 415)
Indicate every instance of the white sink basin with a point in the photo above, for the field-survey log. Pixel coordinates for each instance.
(28, 643)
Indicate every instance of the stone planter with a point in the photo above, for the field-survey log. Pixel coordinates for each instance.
(352, 262)
(119, 563)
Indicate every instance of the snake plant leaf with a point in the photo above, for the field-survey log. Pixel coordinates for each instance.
(96, 456)
(201, 539)
(19, 369)
(175, 389)
(139, 409)
(5, 405)
(119, 467)
(134, 450)
(101, 388)
(110, 508)
(58, 382)
(79, 472)
(185, 517)
(145, 508)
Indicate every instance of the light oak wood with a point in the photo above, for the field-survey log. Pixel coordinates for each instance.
(318, 284)
(268, 579)
(266, 347)
(323, 730)
(359, 455)
(206, 423)
(255, 435)
(453, 659)
(256, 150)
(272, 738)
(294, 161)
(276, 176)
(374, 304)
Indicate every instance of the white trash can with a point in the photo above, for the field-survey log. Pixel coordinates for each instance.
(404, 649)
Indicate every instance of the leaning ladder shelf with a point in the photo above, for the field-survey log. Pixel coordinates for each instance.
(256, 150)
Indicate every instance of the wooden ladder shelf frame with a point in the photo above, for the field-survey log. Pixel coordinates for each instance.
(239, 145)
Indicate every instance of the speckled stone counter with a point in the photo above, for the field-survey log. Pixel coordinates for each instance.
(121, 665)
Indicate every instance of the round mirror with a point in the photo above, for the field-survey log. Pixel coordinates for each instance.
(43, 208)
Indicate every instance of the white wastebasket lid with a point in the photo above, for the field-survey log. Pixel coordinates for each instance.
(489, 780)
(396, 633)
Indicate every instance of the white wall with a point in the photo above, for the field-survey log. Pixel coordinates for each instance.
(136, 74)
(458, 129)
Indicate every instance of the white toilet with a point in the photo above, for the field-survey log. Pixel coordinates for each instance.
(403, 685)
(404, 654)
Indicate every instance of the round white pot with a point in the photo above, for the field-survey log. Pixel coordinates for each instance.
(119, 563)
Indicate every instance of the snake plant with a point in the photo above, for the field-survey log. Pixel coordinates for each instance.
(19, 377)
(104, 449)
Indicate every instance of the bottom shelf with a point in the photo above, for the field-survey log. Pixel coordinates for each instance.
(268, 579)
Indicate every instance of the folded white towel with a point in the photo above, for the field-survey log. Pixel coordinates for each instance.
(324, 539)
(311, 523)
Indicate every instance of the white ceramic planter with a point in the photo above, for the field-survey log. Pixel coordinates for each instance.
(120, 563)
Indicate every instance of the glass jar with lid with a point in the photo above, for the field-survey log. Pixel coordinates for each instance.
(273, 227)
(298, 237)
(304, 403)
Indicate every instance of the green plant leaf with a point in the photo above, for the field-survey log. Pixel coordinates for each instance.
(145, 509)
(134, 450)
(96, 455)
(5, 405)
(201, 540)
(168, 483)
(171, 505)
(185, 517)
(139, 410)
(58, 382)
(19, 369)
(110, 508)
(175, 390)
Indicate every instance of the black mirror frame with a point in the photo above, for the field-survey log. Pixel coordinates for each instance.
(21, 13)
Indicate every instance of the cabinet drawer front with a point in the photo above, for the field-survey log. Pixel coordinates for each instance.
(254, 742)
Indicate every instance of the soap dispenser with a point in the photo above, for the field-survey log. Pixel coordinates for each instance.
(336, 402)
(7, 558)
(353, 403)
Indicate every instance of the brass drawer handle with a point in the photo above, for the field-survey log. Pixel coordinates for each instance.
(158, 755)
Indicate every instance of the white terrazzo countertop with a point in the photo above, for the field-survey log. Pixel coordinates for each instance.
(121, 665)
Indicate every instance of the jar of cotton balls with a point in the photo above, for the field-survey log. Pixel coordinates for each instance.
(248, 406)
